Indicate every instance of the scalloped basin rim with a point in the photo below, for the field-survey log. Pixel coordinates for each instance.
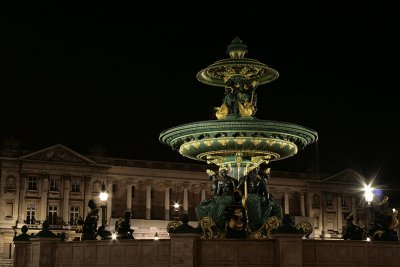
(286, 129)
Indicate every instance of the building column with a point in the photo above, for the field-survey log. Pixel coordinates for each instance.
(129, 198)
(339, 215)
(324, 218)
(309, 201)
(166, 201)
(86, 194)
(109, 200)
(43, 196)
(67, 184)
(286, 194)
(148, 202)
(185, 199)
(21, 202)
(302, 205)
(354, 209)
(203, 195)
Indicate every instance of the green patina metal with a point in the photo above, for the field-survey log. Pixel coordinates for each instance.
(238, 140)
(208, 140)
(237, 65)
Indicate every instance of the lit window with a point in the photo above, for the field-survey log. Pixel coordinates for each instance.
(75, 185)
(32, 183)
(30, 214)
(53, 212)
(53, 185)
(74, 214)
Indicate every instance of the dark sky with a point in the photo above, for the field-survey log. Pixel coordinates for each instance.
(120, 75)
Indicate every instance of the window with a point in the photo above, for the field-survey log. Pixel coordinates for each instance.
(74, 214)
(75, 185)
(32, 183)
(53, 215)
(53, 185)
(133, 191)
(316, 202)
(30, 214)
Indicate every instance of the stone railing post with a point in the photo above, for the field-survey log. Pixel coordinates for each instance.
(22, 253)
(43, 251)
(184, 249)
(289, 249)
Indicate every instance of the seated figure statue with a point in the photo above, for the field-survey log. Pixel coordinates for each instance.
(45, 232)
(233, 212)
(259, 203)
(236, 221)
(353, 231)
(185, 227)
(123, 227)
(287, 226)
(90, 223)
(385, 222)
(24, 236)
(214, 207)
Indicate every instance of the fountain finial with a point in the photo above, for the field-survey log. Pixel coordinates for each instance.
(236, 49)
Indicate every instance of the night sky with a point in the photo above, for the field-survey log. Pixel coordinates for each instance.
(120, 75)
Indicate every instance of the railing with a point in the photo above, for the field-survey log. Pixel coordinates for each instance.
(189, 250)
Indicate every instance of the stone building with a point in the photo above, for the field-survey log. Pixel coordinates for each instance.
(56, 184)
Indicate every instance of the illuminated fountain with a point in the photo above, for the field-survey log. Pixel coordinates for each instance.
(237, 141)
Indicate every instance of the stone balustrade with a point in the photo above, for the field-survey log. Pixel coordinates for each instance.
(189, 250)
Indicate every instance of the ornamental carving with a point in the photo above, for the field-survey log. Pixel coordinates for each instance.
(141, 185)
(160, 187)
(57, 153)
(11, 181)
(196, 188)
(178, 188)
(96, 186)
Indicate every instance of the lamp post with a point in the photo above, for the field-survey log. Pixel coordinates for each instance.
(156, 237)
(369, 196)
(176, 214)
(103, 197)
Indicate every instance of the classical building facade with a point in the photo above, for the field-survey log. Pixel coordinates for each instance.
(56, 184)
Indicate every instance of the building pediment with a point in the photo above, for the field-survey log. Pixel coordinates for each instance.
(58, 153)
(347, 176)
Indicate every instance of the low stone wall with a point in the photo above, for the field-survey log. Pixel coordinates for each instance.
(237, 253)
(188, 250)
(125, 253)
(331, 253)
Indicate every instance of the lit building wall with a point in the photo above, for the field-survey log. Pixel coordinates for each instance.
(56, 184)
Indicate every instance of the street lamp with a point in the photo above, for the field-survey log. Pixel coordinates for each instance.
(176, 214)
(103, 197)
(156, 237)
(369, 196)
(176, 206)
